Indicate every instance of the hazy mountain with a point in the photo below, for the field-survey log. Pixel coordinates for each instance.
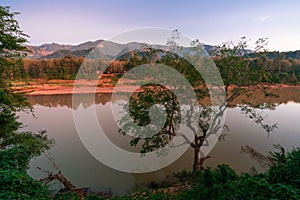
(86, 45)
(45, 51)
(54, 50)
(63, 53)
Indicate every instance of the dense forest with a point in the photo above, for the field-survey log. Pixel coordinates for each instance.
(274, 67)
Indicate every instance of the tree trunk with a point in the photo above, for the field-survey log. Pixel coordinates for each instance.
(196, 159)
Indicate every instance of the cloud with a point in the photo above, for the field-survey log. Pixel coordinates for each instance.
(263, 18)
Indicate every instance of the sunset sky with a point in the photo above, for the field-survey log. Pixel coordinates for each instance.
(213, 22)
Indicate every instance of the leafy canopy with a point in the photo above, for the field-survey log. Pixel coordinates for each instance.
(16, 148)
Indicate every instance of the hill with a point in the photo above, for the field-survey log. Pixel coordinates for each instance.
(55, 50)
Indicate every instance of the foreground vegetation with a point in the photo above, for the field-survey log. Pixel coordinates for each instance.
(17, 148)
(281, 181)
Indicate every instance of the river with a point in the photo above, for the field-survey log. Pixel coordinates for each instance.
(54, 114)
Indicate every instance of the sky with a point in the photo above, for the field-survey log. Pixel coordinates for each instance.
(212, 22)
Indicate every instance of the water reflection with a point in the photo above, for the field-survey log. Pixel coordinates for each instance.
(66, 100)
(54, 113)
(279, 95)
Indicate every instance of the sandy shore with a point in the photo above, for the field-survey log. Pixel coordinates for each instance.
(59, 87)
(71, 90)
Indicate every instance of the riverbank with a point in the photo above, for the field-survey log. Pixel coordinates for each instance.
(61, 87)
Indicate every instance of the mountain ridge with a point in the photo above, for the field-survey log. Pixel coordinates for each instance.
(56, 50)
(44, 50)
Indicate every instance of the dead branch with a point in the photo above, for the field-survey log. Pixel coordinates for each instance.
(68, 186)
(262, 159)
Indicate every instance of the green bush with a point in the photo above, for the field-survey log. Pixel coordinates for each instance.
(287, 173)
(281, 181)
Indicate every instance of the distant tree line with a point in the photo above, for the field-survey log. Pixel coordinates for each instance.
(272, 69)
(65, 68)
(277, 54)
(278, 70)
